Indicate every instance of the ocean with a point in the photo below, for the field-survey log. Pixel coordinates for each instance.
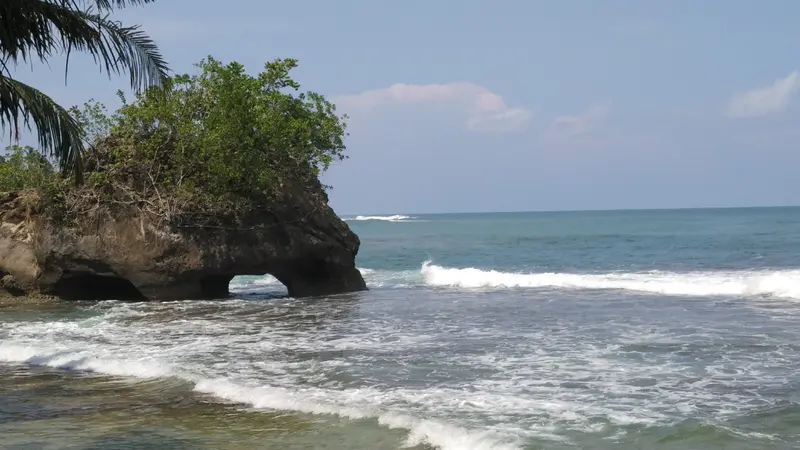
(572, 330)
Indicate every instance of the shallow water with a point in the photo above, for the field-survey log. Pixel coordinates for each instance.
(671, 330)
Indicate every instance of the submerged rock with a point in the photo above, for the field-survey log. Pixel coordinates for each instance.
(128, 254)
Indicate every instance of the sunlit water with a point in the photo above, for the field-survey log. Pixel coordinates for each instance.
(673, 329)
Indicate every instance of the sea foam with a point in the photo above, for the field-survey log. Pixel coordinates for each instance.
(779, 283)
(515, 385)
(392, 218)
(773, 283)
(437, 434)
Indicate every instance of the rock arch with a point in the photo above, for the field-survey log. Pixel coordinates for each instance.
(130, 255)
(91, 286)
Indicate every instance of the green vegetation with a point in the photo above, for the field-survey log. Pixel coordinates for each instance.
(213, 143)
(38, 29)
(24, 168)
(216, 142)
(222, 134)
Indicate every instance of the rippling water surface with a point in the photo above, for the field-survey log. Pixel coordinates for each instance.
(670, 329)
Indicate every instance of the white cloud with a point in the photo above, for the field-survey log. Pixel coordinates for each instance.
(765, 100)
(485, 110)
(582, 123)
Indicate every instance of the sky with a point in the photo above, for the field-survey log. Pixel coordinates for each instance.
(483, 106)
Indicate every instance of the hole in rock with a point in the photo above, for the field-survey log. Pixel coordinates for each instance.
(96, 287)
(256, 286)
(215, 286)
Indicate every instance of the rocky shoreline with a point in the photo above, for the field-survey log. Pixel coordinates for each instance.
(130, 255)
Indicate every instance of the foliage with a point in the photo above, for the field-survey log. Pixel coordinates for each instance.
(219, 136)
(24, 168)
(200, 149)
(94, 121)
(38, 29)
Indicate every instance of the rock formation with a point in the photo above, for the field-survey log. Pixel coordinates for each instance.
(131, 255)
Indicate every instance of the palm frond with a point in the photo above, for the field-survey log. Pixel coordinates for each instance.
(25, 29)
(39, 28)
(56, 130)
(125, 47)
(107, 5)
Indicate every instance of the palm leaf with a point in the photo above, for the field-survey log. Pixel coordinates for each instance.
(37, 29)
(56, 130)
(107, 5)
(119, 47)
(40, 28)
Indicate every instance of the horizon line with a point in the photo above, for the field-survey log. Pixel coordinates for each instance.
(681, 208)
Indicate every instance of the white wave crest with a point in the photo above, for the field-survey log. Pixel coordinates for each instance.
(267, 280)
(775, 283)
(394, 218)
(781, 283)
(84, 361)
(436, 434)
(439, 435)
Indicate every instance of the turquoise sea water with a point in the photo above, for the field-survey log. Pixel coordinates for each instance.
(590, 330)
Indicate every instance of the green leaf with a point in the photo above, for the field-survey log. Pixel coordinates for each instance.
(39, 29)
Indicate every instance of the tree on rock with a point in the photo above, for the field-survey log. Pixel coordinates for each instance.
(212, 143)
(39, 29)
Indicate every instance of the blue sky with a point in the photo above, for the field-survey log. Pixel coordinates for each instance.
(517, 105)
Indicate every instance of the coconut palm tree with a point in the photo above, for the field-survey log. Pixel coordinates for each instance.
(39, 29)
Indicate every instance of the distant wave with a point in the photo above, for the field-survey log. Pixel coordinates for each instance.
(394, 218)
(778, 283)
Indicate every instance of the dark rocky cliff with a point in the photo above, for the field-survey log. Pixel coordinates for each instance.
(130, 255)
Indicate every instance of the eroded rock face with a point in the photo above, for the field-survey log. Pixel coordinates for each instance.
(131, 255)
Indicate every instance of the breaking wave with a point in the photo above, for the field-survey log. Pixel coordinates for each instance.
(778, 283)
(312, 401)
(394, 218)
(774, 283)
